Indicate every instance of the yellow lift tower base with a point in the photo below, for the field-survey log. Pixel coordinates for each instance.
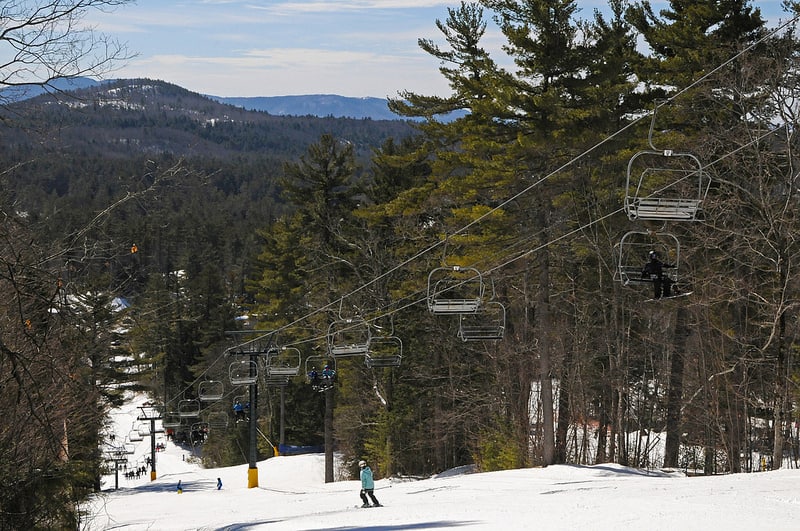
(252, 478)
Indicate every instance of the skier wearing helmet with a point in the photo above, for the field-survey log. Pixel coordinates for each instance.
(367, 485)
(654, 271)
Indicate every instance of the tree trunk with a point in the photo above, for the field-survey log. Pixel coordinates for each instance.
(781, 398)
(544, 322)
(329, 435)
(675, 393)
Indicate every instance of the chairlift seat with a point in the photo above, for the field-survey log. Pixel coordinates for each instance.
(481, 332)
(453, 306)
(383, 361)
(664, 209)
(488, 323)
(276, 381)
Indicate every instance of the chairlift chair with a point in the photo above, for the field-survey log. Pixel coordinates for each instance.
(210, 390)
(664, 185)
(188, 408)
(144, 429)
(171, 419)
(318, 363)
(386, 351)
(348, 337)
(633, 251)
(454, 290)
(198, 433)
(135, 436)
(217, 420)
(486, 324)
(243, 372)
(286, 362)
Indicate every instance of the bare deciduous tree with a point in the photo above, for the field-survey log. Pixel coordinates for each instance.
(45, 40)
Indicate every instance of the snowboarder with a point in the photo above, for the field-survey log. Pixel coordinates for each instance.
(654, 271)
(219, 483)
(180, 487)
(367, 485)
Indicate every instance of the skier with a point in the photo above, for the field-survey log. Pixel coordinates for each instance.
(367, 485)
(238, 410)
(219, 483)
(180, 487)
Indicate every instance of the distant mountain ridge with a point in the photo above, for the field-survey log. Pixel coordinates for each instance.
(319, 105)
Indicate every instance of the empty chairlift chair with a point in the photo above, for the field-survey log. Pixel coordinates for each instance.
(283, 362)
(210, 390)
(386, 351)
(665, 185)
(486, 324)
(243, 372)
(189, 408)
(171, 419)
(454, 290)
(216, 420)
(348, 337)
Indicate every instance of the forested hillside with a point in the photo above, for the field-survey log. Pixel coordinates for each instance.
(478, 285)
(212, 168)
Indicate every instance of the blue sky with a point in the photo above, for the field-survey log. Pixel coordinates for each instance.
(283, 47)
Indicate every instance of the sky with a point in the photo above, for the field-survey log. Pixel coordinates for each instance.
(246, 48)
(292, 495)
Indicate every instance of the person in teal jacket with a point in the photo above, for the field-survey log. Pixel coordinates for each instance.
(367, 485)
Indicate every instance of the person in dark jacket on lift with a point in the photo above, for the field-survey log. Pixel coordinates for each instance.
(654, 271)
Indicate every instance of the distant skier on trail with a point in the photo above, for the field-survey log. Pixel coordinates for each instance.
(367, 485)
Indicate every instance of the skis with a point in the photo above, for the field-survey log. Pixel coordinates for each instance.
(677, 296)
(368, 506)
